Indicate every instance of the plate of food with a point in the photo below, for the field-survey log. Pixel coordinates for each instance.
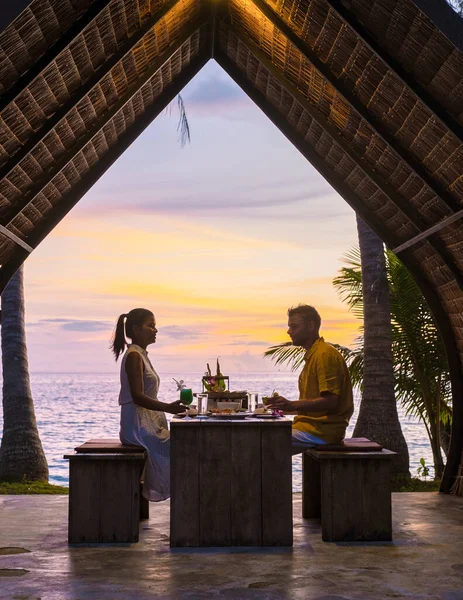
(226, 413)
(231, 415)
(265, 413)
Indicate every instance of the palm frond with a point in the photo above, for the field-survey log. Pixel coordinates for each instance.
(183, 126)
(286, 353)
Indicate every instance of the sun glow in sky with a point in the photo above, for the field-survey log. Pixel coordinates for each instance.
(217, 238)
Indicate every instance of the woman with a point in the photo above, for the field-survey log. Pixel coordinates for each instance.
(143, 421)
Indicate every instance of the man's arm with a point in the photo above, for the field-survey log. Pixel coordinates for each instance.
(326, 403)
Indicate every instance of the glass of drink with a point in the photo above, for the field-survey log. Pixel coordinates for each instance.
(202, 403)
(186, 398)
(252, 401)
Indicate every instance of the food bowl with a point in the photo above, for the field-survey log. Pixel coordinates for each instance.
(229, 405)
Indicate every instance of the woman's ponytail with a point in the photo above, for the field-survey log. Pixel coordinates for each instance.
(118, 341)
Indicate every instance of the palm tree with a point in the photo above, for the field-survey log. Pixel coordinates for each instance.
(21, 452)
(378, 419)
(422, 380)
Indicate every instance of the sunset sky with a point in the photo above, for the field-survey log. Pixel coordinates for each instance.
(217, 238)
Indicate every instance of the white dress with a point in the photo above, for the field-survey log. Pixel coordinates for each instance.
(147, 428)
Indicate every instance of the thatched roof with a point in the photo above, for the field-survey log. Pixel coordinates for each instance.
(370, 91)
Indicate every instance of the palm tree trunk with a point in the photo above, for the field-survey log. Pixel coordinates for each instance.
(378, 419)
(21, 452)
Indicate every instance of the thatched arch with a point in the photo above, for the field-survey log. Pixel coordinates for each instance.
(369, 91)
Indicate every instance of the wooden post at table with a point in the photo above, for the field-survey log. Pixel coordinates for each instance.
(231, 483)
(184, 484)
(246, 486)
(214, 485)
(311, 488)
(277, 493)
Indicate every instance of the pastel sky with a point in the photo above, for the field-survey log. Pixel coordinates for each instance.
(217, 238)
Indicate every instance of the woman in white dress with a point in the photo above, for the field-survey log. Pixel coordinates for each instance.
(143, 421)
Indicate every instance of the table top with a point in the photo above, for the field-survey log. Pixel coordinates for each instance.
(277, 422)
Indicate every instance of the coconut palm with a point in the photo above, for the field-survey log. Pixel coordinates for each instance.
(422, 381)
(378, 419)
(21, 452)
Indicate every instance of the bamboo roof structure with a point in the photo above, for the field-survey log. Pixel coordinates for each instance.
(369, 91)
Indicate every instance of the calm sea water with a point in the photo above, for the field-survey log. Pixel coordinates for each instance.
(74, 407)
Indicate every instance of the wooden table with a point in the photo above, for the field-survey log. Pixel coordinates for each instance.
(231, 483)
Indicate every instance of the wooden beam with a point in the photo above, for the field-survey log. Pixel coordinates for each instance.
(399, 201)
(53, 52)
(437, 110)
(14, 238)
(374, 122)
(425, 234)
(81, 142)
(407, 257)
(85, 184)
(125, 48)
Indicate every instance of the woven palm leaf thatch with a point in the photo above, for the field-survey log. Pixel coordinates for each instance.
(39, 26)
(106, 138)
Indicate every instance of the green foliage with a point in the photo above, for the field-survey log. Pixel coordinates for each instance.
(422, 380)
(414, 484)
(31, 487)
(423, 469)
(286, 353)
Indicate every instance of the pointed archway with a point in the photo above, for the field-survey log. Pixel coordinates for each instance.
(369, 91)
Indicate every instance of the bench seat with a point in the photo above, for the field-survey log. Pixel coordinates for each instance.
(105, 501)
(348, 486)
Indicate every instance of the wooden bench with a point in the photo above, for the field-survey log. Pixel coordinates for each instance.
(348, 486)
(105, 501)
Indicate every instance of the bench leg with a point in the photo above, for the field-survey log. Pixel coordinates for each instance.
(356, 500)
(311, 491)
(144, 505)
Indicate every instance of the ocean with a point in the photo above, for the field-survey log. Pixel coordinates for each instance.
(74, 407)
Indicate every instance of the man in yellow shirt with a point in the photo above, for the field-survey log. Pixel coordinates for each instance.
(325, 402)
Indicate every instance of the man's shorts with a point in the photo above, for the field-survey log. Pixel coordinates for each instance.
(303, 441)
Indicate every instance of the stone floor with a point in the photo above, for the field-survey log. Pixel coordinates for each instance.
(424, 561)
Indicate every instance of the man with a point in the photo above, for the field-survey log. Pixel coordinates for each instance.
(325, 402)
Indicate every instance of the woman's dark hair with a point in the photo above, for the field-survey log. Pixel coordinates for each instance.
(137, 316)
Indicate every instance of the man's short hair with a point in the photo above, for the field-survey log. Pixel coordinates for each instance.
(308, 313)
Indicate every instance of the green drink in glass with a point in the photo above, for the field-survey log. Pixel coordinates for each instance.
(186, 398)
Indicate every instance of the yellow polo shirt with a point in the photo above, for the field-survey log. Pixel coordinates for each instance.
(325, 370)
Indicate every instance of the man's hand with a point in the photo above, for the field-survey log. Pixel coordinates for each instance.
(177, 407)
(281, 404)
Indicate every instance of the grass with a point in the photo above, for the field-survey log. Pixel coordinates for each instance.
(413, 484)
(31, 487)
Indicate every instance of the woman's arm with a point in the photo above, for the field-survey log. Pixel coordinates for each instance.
(134, 370)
